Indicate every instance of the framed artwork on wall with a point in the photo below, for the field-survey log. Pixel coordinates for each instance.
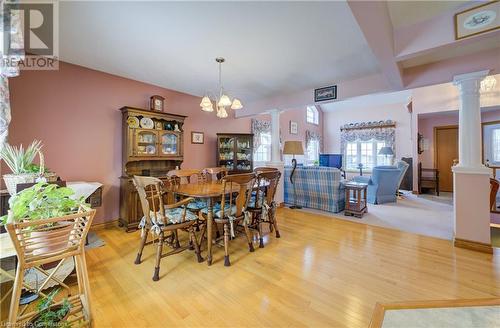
(326, 93)
(477, 20)
(294, 127)
(197, 137)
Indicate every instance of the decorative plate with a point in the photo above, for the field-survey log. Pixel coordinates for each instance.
(150, 149)
(133, 122)
(147, 123)
(159, 125)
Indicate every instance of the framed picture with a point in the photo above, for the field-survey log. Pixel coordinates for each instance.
(326, 93)
(197, 137)
(477, 20)
(294, 127)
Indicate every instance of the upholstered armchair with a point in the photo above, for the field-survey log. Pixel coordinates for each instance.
(383, 184)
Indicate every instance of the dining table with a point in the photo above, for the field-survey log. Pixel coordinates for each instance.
(211, 192)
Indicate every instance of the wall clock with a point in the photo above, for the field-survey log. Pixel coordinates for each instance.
(156, 103)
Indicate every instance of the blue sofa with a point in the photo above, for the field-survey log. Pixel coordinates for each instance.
(317, 187)
(383, 184)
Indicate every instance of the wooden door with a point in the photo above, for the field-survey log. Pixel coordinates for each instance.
(446, 143)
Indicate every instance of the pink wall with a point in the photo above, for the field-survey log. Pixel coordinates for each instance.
(426, 128)
(74, 111)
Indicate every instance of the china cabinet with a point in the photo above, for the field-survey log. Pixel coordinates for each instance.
(152, 145)
(235, 152)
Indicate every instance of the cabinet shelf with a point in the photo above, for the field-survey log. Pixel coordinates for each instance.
(229, 143)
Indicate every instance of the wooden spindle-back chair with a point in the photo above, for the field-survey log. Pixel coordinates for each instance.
(39, 242)
(215, 173)
(237, 190)
(263, 205)
(161, 218)
(186, 175)
(260, 169)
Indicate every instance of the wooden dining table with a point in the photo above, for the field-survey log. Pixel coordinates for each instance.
(210, 192)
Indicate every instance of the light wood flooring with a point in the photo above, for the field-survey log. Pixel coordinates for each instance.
(322, 272)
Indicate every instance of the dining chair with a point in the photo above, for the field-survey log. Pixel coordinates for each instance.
(262, 204)
(160, 218)
(214, 173)
(232, 209)
(187, 176)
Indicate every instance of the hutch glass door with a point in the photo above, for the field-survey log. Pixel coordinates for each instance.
(146, 142)
(169, 144)
(226, 152)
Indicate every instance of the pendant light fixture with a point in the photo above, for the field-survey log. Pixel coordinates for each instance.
(222, 101)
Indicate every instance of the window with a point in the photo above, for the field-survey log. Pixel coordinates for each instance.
(263, 152)
(312, 115)
(366, 153)
(495, 145)
(312, 152)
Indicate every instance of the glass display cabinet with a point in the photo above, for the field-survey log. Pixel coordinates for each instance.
(235, 152)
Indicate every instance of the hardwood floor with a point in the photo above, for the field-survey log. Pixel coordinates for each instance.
(322, 272)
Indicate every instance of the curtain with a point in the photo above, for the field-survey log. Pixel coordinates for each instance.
(9, 67)
(380, 131)
(311, 135)
(258, 127)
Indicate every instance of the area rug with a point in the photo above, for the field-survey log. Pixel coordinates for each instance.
(425, 216)
(482, 313)
(94, 240)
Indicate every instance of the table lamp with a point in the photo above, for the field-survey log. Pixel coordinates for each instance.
(293, 148)
(387, 151)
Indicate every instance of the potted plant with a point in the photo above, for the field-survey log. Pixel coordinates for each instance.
(43, 201)
(50, 315)
(20, 162)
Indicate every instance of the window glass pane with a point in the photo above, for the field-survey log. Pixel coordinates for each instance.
(312, 151)
(381, 159)
(366, 154)
(495, 145)
(263, 152)
(312, 115)
(351, 156)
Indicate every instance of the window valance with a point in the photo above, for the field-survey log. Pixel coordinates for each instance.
(258, 127)
(377, 130)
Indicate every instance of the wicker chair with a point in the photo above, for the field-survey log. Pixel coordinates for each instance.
(46, 241)
(161, 219)
(262, 204)
(233, 209)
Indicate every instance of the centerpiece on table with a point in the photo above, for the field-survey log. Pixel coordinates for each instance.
(20, 162)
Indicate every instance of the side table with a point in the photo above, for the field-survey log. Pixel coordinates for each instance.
(355, 199)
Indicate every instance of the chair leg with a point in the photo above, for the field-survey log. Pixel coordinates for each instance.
(176, 244)
(226, 245)
(16, 295)
(275, 224)
(156, 275)
(141, 247)
(249, 237)
(192, 237)
(261, 239)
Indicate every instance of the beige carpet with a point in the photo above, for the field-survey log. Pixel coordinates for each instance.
(430, 216)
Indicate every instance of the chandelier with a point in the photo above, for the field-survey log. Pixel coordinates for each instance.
(222, 101)
(488, 84)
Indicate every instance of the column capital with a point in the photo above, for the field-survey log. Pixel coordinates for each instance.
(474, 76)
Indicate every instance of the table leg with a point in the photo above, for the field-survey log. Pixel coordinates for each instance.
(210, 217)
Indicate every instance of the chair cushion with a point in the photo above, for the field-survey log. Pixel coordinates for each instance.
(197, 204)
(251, 203)
(174, 215)
(218, 212)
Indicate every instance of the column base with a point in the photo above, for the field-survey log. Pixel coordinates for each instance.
(473, 245)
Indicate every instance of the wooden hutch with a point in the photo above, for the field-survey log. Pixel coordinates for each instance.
(152, 146)
(235, 152)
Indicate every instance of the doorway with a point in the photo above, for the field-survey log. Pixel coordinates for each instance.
(446, 152)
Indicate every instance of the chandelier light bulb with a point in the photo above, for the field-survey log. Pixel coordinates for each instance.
(206, 102)
(236, 104)
(221, 112)
(224, 101)
(208, 108)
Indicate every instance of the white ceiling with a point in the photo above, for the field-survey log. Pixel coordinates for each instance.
(377, 99)
(270, 47)
(405, 13)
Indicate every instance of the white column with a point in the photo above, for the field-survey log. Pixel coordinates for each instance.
(469, 122)
(470, 176)
(275, 154)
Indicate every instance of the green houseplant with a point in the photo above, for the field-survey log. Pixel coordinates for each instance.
(42, 201)
(50, 315)
(20, 162)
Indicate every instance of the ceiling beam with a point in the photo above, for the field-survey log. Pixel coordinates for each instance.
(375, 23)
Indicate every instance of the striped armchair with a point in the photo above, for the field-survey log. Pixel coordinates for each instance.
(317, 187)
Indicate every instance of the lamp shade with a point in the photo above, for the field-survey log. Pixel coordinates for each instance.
(293, 148)
(386, 151)
(224, 101)
(236, 104)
